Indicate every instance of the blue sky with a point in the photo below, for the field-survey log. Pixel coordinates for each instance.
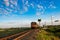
(31, 10)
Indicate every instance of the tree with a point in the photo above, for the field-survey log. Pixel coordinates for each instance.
(39, 20)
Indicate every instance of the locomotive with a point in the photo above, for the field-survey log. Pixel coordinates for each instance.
(34, 25)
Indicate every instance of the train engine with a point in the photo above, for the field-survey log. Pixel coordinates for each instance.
(34, 25)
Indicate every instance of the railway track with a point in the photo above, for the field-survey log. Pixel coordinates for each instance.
(20, 36)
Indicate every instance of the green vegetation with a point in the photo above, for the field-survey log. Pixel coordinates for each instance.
(55, 30)
(11, 31)
(51, 33)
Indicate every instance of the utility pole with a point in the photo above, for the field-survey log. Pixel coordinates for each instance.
(45, 24)
(51, 20)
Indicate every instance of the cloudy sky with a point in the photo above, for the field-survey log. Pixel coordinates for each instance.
(22, 12)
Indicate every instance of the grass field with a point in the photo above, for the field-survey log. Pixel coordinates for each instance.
(43, 35)
(52, 33)
(11, 31)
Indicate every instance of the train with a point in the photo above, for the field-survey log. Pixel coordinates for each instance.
(34, 25)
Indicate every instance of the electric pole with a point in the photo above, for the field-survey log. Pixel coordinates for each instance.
(51, 20)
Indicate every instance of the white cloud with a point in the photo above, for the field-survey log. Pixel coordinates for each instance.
(12, 6)
(5, 12)
(37, 13)
(21, 12)
(32, 5)
(40, 6)
(2, 10)
(52, 6)
(10, 10)
(25, 8)
(26, 3)
(13, 2)
(22, 1)
(40, 10)
(6, 2)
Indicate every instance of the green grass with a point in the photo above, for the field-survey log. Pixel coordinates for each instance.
(54, 30)
(11, 31)
(51, 33)
(42, 36)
